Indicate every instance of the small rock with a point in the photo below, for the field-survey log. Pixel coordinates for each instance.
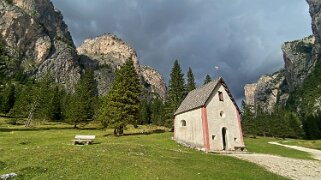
(7, 176)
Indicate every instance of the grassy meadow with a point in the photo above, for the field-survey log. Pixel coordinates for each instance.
(261, 145)
(46, 152)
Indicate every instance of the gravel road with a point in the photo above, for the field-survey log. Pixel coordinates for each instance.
(288, 167)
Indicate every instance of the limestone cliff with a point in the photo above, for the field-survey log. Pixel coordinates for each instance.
(107, 50)
(106, 53)
(315, 8)
(267, 93)
(37, 38)
(287, 85)
(154, 81)
(38, 41)
(298, 60)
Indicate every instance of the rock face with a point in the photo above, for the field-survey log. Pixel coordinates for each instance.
(300, 59)
(154, 81)
(315, 8)
(35, 34)
(106, 53)
(267, 93)
(108, 50)
(249, 91)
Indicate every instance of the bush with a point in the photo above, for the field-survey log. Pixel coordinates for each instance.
(12, 121)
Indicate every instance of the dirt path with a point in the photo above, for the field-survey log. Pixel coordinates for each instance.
(288, 167)
(315, 153)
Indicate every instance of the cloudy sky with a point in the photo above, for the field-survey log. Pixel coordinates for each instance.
(242, 37)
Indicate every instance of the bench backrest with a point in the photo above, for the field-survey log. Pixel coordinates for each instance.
(89, 137)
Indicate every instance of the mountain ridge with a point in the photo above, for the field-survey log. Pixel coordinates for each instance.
(288, 87)
(38, 41)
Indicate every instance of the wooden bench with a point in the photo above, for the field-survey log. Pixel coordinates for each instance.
(84, 139)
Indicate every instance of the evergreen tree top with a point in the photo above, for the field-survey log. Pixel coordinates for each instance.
(207, 79)
(191, 85)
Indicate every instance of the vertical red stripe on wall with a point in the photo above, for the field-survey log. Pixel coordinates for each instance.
(174, 126)
(240, 126)
(205, 129)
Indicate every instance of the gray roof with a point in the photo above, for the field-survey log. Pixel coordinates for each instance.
(198, 97)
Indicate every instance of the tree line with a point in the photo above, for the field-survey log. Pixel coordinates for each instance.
(125, 103)
(282, 123)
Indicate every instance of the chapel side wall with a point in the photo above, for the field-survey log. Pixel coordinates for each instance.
(216, 122)
(192, 133)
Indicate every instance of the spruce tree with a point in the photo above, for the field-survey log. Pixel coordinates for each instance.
(191, 85)
(8, 98)
(25, 99)
(56, 103)
(157, 111)
(82, 103)
(144, 112)
(3, 60)
(37, 100)
(2, 71)
(176, 93)
(248, 126)
(207, 79)
(312, 126)
(121, 104)
(44, 95)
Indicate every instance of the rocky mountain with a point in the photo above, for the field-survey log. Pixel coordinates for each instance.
(38, 40)
(154, 82)
(106, 50)
(266, 93)
(291, 85)
(106, 53)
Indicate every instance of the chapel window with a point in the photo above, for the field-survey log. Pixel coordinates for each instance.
(220, 96)
(183, 123)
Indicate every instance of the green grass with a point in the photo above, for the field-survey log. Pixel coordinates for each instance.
(47, 153)
(261, 145)
(314, 144)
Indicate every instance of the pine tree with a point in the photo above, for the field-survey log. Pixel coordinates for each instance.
(82, 104)
(191, 85)
(121, 104)
(312, 126)
(144, 112)
(56, 103)
(207, 79)
(44, 96)
(36, 100)
(176, 93)
(248, 125)
(25, 99)
(157, 111)
(8, 98)
(3, 59)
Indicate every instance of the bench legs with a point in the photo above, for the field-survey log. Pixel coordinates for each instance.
(75, 142)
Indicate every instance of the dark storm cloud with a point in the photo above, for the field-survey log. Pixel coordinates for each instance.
(242, 37)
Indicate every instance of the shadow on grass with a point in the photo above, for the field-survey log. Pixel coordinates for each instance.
(156, 131)
(2, 129)
(84, 144)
